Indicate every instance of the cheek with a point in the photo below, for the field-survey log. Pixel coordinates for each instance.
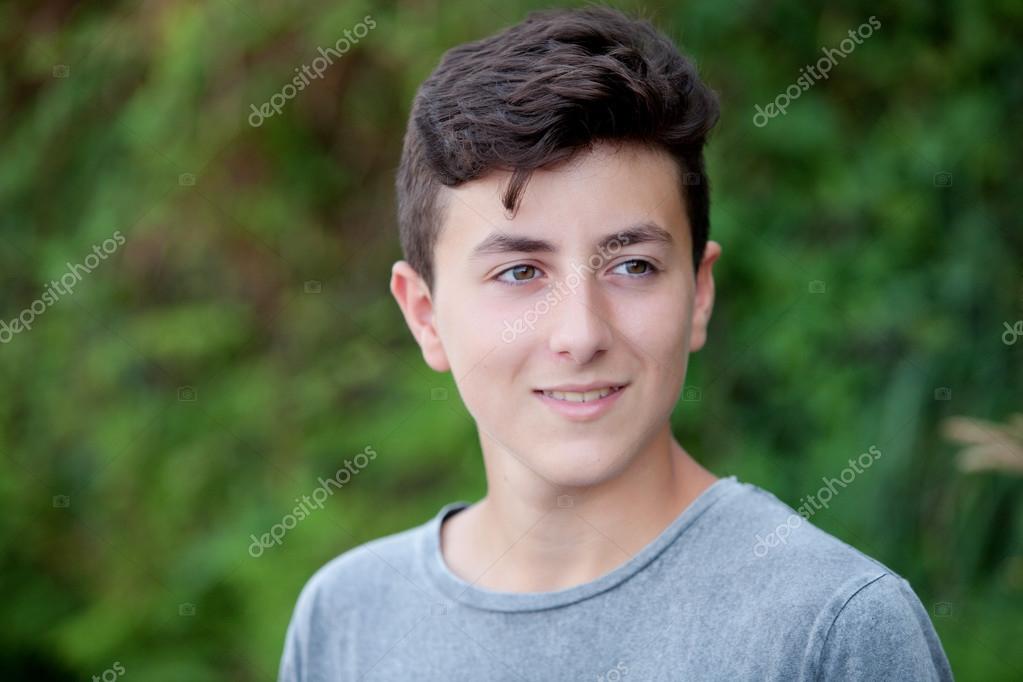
(484, 356)
(658, 331)
(464, 346)
(658, 327)
(471, 329)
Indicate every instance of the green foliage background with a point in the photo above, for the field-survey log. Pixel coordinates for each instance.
(211, 291)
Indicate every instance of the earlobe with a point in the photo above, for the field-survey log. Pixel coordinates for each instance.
(416, 304)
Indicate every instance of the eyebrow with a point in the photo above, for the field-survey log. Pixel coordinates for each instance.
(639, 233)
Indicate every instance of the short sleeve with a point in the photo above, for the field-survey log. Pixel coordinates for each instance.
(294, 645)
(883, 632)
(304, 636)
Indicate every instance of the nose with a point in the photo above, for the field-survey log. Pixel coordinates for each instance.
(580, 329)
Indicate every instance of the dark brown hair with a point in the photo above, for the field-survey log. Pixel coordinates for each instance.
(536, 94)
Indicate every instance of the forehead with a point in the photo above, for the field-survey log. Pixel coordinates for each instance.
(595, 192)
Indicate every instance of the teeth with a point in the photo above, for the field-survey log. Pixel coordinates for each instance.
(576, 397)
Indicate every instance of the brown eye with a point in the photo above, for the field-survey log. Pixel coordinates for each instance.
(523, 272)
(637, 267)
(519, 274)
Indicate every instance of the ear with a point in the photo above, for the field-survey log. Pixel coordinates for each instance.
(703, 301)
(416, 303)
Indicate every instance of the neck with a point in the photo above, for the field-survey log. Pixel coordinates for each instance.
(530, 536)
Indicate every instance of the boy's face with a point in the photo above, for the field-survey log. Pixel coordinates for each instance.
(588, 289)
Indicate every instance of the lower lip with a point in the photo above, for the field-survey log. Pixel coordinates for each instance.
(582, 412)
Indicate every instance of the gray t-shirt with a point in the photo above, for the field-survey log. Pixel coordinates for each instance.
(723, 593)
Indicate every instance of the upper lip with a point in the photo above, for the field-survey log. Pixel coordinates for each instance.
(582, 388)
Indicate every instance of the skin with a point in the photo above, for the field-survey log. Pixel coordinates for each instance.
(620, 478)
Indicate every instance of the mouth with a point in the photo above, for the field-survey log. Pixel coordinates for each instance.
(581, 403)
(584, 396)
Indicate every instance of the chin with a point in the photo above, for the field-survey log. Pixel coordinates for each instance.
(575, 468)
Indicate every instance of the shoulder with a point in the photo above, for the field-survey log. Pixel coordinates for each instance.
(769, 539)
(862, 619)
(349, 579)
(376, 575)
(882, 631)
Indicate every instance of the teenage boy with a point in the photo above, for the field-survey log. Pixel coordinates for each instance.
(553, 207)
